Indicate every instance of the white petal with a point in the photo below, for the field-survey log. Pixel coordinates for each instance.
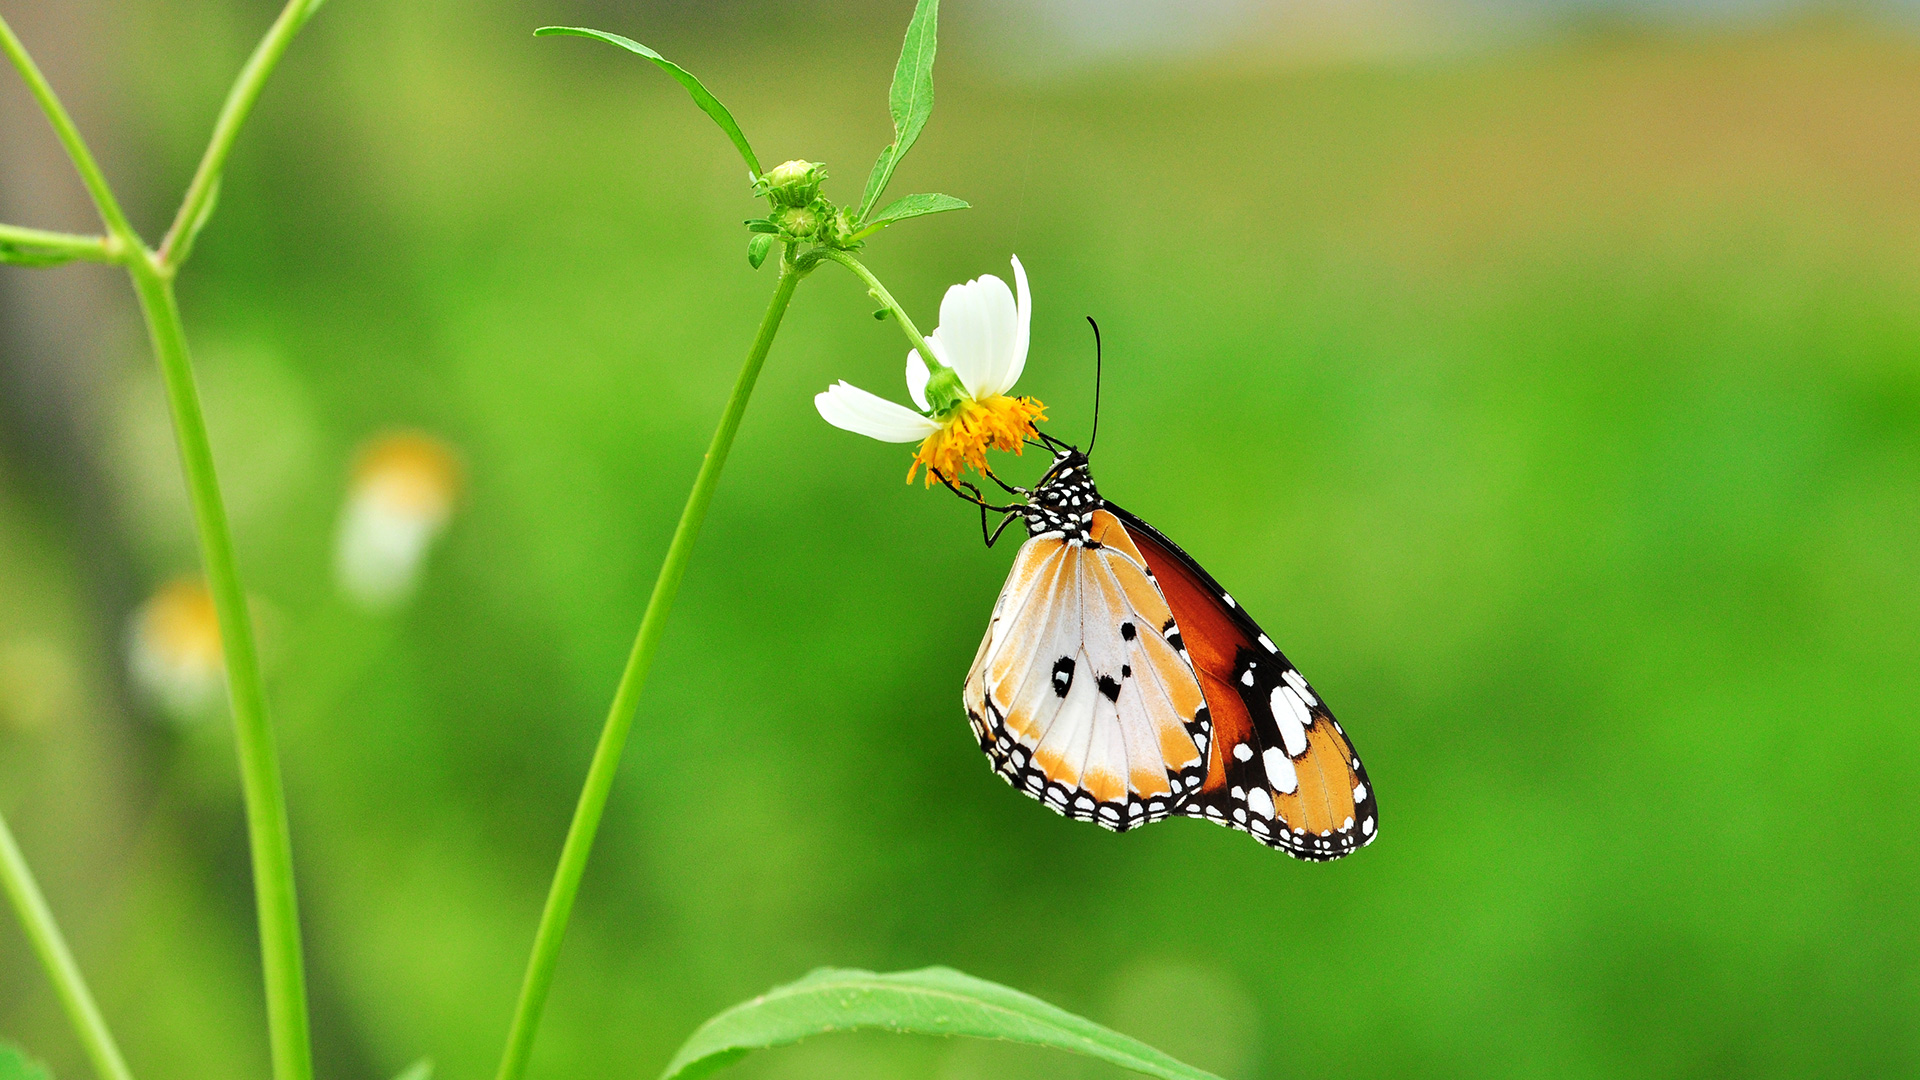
(1022, 326)
(852, 409)
(977, 330)
(917, 377)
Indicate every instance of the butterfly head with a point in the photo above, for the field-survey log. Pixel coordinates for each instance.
(1064, 500)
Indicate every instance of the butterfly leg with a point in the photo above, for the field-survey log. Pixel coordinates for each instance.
(1002, 527)
(972, 495)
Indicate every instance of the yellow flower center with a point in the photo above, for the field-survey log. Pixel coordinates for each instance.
(1000, 422)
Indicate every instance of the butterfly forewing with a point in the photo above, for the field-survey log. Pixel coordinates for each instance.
(1076, 694)
(1280, 768)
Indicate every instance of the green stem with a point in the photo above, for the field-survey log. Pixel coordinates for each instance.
(39, 245)
(195, 204)
(879, 293)
(613, 735)
(69, 136)
(44, 933)
(259, 762)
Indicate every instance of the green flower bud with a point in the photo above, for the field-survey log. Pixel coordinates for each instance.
(799, 222)
(796, 183)
(841, 227)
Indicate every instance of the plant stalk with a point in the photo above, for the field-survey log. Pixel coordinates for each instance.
(233, 113)
(267, 834)
(44, 933)
(613, 735)
(69, 136)
(61, 245)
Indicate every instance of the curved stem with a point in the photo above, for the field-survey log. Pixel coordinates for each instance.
(879, 292)
(69, 135)
(44, 933)
(272, 851)
(196, 204)
(613, 735)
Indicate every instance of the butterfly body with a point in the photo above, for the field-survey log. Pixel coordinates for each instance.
(1118, 683)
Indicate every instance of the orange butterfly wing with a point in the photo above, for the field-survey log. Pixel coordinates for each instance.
(1280, 768)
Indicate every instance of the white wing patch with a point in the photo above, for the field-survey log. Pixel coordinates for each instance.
(1077, 695)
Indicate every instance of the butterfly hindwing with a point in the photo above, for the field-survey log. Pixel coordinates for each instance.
(1280, 768)
(1077, 695)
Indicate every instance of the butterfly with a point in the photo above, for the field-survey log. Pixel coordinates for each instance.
(1118, 683)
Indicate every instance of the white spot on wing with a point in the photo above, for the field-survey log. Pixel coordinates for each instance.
(1290, 713)
(1299, 684)
(1267, 643)
(1260, 802)
(1359, 794)
(1280, 772)
(1242, 752)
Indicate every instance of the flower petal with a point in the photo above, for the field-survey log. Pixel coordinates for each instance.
(1023, 325)
(977, 331)
(852, 409)
(917, 378)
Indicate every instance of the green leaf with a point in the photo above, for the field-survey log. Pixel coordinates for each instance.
(701, 96)
(757, 247)
(16, 1065)
(910, 100)
(931, 1001)
(911, 206)
(419, 1070)
(761, 225)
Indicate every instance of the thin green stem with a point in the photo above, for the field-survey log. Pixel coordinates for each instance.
(69, 135)
(613, 736)
(40, 245)
(195, 205)
(272, 850)
(879, 293)
(44, 933)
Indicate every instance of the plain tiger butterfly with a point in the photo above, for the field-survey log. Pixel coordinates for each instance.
(1118, 683)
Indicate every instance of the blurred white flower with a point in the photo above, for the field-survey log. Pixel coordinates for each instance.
(981, 345)
(400, 498)
(173, 649)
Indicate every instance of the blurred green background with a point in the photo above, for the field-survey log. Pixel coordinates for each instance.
(1549, 387)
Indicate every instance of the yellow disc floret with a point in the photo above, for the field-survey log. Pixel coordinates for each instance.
(999, 422)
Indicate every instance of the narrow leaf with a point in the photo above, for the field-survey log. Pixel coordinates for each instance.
(701, 96)
(16, 1065)
(911, 98)
(931, 1001)
(419, 1070)
(911, 206)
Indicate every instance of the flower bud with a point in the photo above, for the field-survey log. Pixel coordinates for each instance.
(403, 491)
(800, 222)
(173, 648)
(842, 226)
(796, 183)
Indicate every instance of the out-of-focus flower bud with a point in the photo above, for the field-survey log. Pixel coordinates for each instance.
(402, 493)
(173, 649)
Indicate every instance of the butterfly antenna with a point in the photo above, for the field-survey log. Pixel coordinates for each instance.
(1095, 437)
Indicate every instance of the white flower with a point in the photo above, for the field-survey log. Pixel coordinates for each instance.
(403, 490)
(982, 338)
